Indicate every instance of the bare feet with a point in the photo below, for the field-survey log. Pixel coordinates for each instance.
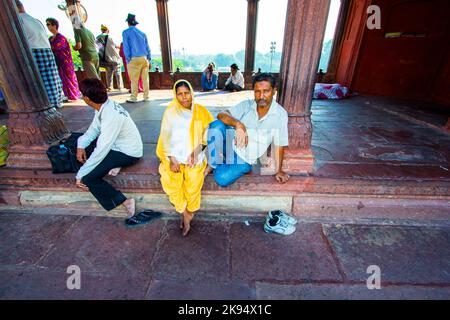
(130, 205)
(208, 170)
(114, 172)
(187, 218)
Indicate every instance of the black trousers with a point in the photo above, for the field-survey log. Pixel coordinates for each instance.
(105, 194)
(231, 86)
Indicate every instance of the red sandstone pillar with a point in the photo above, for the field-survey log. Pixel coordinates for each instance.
(250, 44)
(447, 126)
(33, 123)
(303, 38)
(164, 34)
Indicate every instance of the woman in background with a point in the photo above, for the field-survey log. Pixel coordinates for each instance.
(63, 56)
(210, 77)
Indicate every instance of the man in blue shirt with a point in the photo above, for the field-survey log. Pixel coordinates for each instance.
(138, 56)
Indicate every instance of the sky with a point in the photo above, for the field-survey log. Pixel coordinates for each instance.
(198, 26)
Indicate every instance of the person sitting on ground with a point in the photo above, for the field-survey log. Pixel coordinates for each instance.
(236, 80)
(210, 77)
(119, 144)
(251, 127)
(181, 143)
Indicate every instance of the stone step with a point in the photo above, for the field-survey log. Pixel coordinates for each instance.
(304, 206)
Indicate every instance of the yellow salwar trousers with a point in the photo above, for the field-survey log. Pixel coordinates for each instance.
(184, 188)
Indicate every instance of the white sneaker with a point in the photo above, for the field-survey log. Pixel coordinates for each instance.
(283, 215)
(280, 227)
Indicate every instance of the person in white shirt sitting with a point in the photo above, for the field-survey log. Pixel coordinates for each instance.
(243, 134)
(119, 144)
(236, 80)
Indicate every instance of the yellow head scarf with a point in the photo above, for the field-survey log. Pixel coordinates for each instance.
(201, 118)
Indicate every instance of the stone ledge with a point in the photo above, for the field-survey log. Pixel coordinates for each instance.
(210, 203)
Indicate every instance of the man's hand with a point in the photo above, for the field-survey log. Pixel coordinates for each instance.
(174, 165)
(82, 186)
(81, 155)
(241, 135)
(77, 46)
(282, 177)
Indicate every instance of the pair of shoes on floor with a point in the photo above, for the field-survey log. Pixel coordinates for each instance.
(279, 222)
(132, 101)
(143, 217)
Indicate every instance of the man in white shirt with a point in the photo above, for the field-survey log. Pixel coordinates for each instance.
(119, 144)
(39, 44)
(236, 80)
(243, 134)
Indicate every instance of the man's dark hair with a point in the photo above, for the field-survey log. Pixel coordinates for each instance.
(182, 84)
(94, 89)
(265, 76)
(53, 22)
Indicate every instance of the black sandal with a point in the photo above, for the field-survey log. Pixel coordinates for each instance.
(143, 217)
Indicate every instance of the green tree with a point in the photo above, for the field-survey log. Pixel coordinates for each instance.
(75, 55)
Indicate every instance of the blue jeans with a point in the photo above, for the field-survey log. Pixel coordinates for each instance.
(228, 166)
(209, 85)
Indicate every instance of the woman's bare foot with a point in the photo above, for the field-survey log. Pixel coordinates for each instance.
(181, 222)
(208, 170)
(130, 205)
(187, 218)
(114, 172)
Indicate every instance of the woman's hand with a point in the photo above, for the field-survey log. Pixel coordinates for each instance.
(174, 165)
(192, 159)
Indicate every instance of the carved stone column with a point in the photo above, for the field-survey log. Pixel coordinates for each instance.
(33, 123)
(164, 34)
(303, 38)
(250, 44)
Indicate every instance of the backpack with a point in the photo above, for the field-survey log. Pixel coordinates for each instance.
(63, 155)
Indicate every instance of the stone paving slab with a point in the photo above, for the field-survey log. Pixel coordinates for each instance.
(257, 255)
(43, 284)
(98, 244)
(202, 256)
(24, 238)
(269, 291)
(404, 254)
(205, 289)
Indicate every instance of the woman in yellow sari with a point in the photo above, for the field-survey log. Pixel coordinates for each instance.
(180, 148)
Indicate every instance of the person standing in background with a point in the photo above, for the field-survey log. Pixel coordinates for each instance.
(39, 44)
(138, 57)
(109, 58)
(63, 55)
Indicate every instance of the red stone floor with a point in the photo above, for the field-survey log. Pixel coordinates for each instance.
(361, 145)
(218, 260)
(360, 137)
(229, 259)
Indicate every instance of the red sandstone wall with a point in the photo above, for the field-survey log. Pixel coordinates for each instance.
(407, 67)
